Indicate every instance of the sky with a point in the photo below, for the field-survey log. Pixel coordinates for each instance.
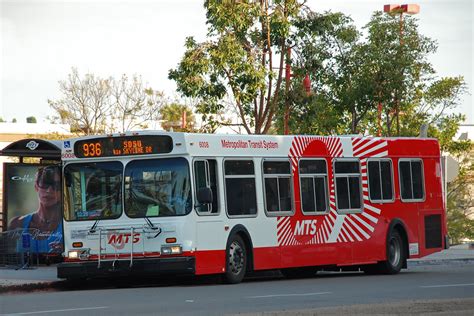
(41, 41)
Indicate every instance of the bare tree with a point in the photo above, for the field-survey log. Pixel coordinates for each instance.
(92, 105)
(135, 105)
(85, 103)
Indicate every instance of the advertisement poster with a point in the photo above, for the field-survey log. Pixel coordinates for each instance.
(33, 206)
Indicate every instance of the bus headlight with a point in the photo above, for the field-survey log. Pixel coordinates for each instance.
(171, 250)
(82, 254)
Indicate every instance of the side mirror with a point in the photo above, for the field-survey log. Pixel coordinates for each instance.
(204, 196)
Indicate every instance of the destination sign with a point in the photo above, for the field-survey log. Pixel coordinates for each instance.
(123, 146)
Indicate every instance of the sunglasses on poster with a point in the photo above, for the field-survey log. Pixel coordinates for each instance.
(48, 178)
(55, 185)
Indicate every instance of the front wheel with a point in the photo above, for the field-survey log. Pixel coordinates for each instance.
(236, 260)
(396, 254)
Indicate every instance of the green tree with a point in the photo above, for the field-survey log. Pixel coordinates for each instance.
(172, 118)
(327, 47)
(399, 64)
(435, 107)
(14, 120)
(236, 64)
(351, 75)
(31, 119)
(460, 201)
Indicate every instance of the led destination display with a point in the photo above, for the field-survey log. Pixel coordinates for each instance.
(123, 146)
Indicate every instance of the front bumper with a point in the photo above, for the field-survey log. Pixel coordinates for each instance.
(140, 267)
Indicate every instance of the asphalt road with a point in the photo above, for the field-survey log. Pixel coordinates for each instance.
(444, 289)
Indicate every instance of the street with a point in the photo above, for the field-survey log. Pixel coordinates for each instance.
(452, 283)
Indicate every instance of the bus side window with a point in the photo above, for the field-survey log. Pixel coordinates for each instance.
(348, 185)
(205, 176)
(313, 186)
(241, 195)
(411, 180)
(277, 186)
(380, 180)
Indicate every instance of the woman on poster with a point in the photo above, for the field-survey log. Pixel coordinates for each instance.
(45, 224)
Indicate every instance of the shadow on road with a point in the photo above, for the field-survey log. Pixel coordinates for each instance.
(171, 281)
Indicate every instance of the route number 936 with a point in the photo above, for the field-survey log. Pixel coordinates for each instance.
(92, 149)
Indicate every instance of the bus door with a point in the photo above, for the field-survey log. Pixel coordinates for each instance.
(209, 225)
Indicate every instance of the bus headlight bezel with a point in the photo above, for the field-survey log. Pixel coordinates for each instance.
(167, 250)
(79, 254)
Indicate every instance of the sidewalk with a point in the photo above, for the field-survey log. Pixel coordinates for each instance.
(43, 276)
(38, 275)
(463, 252)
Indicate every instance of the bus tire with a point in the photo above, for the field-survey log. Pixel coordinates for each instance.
(396, 254)
(236, 260)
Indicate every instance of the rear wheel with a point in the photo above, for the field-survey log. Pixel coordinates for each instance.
(236, 260)
(396, 254)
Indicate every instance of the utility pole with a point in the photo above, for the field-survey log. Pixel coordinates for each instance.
(306, 86)
(394, 9)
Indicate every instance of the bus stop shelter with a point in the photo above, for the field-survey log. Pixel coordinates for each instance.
(19, 198)
(31, 147)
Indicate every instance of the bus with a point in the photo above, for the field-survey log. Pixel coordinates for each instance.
(153, 202)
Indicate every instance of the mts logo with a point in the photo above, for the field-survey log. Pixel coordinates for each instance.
(305, 227)
(119, 240)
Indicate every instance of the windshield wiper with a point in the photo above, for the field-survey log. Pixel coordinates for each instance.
(153, 227)
(150, 223)
(92, 229)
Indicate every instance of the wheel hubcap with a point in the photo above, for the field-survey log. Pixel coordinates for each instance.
(236, 258)
(394, 253)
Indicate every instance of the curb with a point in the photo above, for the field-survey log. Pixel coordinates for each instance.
(29, 287)
(439, 261)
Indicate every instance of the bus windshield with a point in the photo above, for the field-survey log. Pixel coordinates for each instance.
(93, 191)
(157, 188)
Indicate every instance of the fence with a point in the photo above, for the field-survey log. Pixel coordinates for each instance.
(18, 249)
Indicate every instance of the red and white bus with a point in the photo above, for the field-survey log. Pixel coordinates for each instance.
(155, 202)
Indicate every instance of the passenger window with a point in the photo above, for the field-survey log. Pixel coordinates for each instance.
(379, 173)
(240, 187)
(348, 185)
(411, 180)
(205, 176)
(313, 185)
(277, 186)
